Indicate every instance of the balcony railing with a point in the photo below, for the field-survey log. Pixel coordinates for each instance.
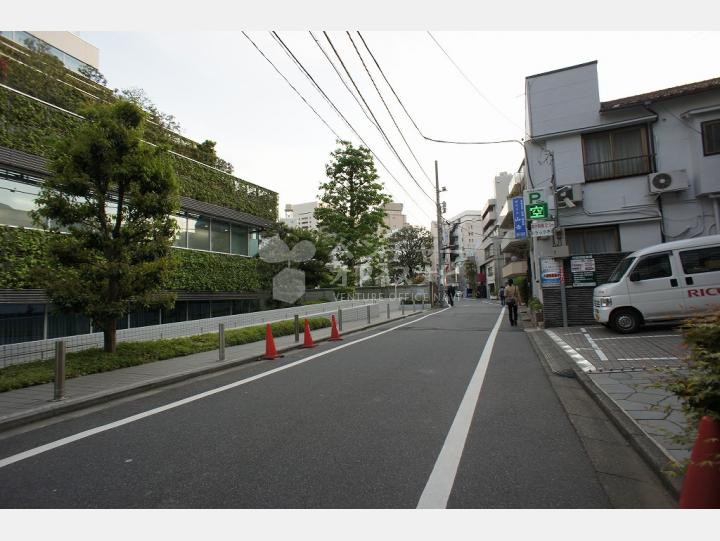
(622, 167)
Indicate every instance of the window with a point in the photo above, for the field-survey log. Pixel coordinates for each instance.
(701, 260)
(198, 310)
(21, 322)
(175, 314)
(181, 234)
(616, 153)
(221, 308)
(594, 240)
(254, 243)
(62, 324)
(220, 236)
(653, 266)
(711, 137)
(144, 318)
(239, 239)
(17, 200)
(198, 232)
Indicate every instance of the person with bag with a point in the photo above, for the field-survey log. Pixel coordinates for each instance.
(502, 296)
(512, 298)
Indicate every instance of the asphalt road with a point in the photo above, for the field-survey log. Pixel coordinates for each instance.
(358, 427)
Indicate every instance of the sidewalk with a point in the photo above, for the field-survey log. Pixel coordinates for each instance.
(618, 371)
(30, 404)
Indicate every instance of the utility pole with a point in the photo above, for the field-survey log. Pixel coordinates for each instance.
(563, 295)
(441, 297)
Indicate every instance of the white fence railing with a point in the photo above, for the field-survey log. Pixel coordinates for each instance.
(353, 310)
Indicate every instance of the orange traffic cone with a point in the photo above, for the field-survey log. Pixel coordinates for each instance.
(308, 343)
(270, 351)
(701, 488)
(334, 334)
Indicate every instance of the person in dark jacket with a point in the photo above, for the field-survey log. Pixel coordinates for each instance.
(451, 294)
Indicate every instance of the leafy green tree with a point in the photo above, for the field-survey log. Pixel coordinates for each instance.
(114, 196)
(410, 246)
(317, 270)
(352, 205)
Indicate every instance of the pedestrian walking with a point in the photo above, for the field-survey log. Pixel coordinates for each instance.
(512, 298)
(502, 295)
(451, 294)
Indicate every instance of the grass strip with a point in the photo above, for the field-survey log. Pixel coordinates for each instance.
(93, 361)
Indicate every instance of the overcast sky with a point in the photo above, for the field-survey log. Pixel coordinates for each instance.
(220, 87)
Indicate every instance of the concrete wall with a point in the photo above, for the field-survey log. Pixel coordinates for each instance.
(634, 236)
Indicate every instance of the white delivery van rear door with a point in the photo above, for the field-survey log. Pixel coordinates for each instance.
(701, 278)
(654, 287)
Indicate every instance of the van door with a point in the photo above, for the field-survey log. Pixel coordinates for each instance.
(654, 287)
(700, 278)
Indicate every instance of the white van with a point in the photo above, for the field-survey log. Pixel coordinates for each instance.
(669, 281)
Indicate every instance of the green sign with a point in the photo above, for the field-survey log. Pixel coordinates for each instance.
(537, 211)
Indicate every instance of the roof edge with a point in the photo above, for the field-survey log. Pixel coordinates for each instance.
(562, 69)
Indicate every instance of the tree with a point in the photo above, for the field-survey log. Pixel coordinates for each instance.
(317, 270)
(410, 246)
(471, 274)
(114, 196)
(352, 205)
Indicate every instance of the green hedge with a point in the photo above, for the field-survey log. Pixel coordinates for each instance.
(22, 251)
(32, 127)
(92, 361)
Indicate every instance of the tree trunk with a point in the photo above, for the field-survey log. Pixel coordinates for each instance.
(109, 337)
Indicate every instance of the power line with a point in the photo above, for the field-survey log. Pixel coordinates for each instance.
(389, 112)
(287, 51)
(377, 123)
(291, 86)
(342, 79)
(434, 140)
(491, 104)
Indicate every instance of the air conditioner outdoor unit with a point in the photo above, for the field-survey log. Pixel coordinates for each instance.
(670, 181)
(569, 194)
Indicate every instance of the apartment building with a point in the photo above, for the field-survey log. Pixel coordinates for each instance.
(616, 176)
(301, 215)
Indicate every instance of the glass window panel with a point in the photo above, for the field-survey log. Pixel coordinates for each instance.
(16, 200)
(122, 323)
(701, 260)
(198, 310)
(21, 322)
(239, 239)
(253, 244)
(711, 137)
(181, 234)
(143, 318)
(654, 266)
(178, 313)
(220, 236)
(198, 232)
(60, 324)
(221, 308)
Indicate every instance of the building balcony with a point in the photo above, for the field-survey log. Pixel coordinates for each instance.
(515, 268)
(515, 188)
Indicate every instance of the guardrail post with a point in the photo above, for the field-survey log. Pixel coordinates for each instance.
(340, 318)
(402, 306)
(388, 310)
(368, 313)
(59, 387)
(413, 303)
(296, 323)
(221, 340)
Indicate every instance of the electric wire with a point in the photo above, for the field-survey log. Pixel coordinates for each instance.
(362, 60)
(377, 123)
(291, 86)
(287, 51)
(479, 92)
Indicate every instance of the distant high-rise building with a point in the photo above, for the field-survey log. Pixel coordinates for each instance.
(301, 215)
(394, 218)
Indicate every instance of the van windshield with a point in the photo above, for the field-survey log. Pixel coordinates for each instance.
(620, 270)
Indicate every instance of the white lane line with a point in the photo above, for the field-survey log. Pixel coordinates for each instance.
(678, 335)
(650, 359)
(437, 490)
(87, 433)
(593, 345)
(581, 361)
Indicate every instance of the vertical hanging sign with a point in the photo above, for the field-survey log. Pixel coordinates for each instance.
(519, 218)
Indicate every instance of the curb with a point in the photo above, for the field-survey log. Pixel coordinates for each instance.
(46, 412)
(653, 455)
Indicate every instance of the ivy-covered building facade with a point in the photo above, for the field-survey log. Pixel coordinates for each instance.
(216, 268)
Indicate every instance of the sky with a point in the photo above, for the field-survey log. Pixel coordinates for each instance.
(219, 87)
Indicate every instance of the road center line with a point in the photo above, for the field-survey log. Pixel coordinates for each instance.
(437, 490)
(127, 420)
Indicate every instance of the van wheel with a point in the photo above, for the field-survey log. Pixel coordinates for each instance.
(625, 321)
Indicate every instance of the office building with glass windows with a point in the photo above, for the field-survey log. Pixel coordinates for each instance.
(219, 225)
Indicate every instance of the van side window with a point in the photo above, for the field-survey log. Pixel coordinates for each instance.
(654, 266)
(701, 260)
